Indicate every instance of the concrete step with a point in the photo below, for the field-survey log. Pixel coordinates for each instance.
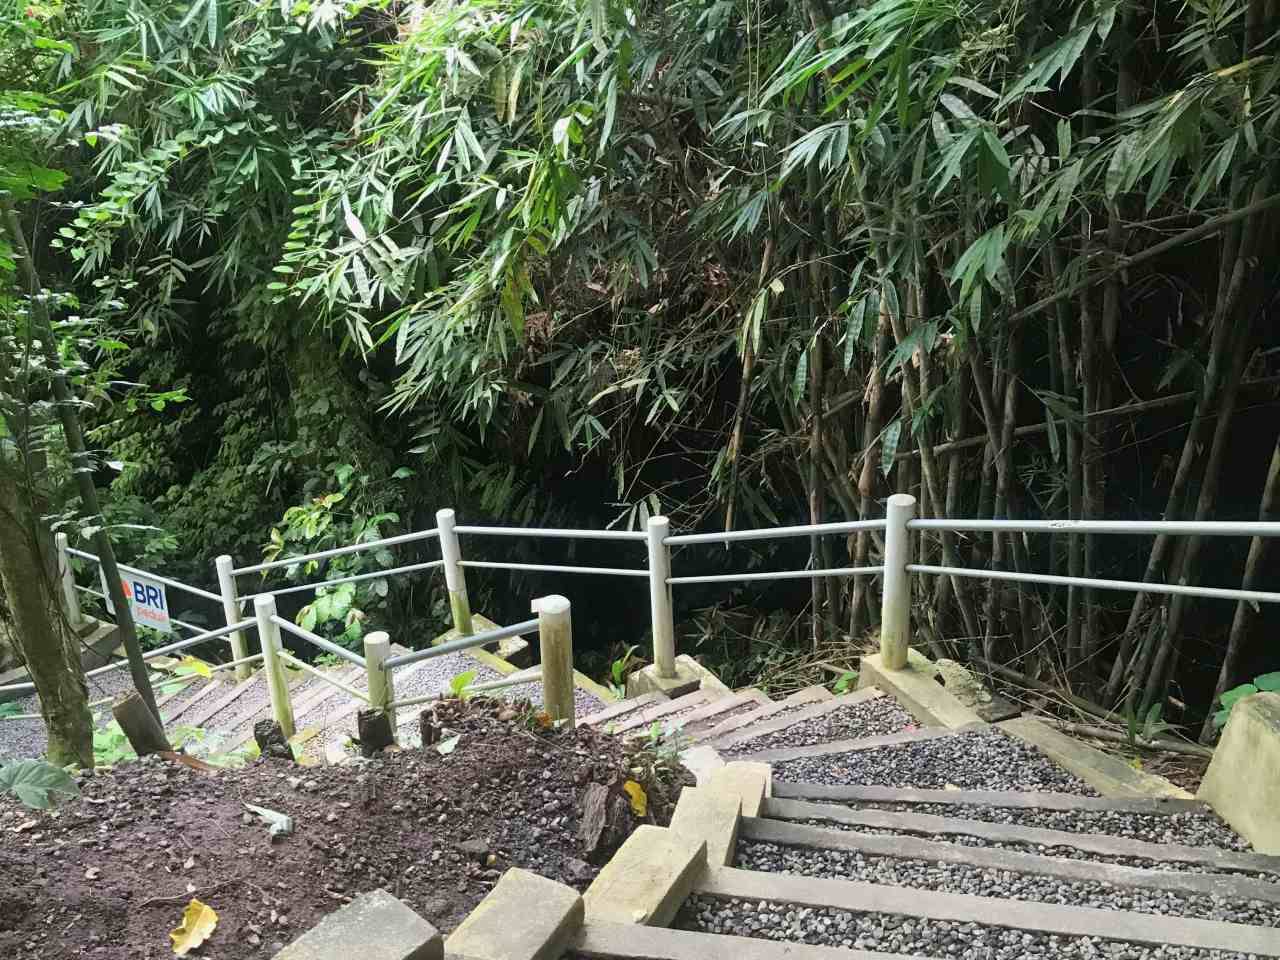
(669, 711)
(782, 720)
(629, 941)
(796, 701)
(812, 906)
(621, 709)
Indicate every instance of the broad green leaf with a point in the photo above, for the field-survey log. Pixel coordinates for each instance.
(37, 784)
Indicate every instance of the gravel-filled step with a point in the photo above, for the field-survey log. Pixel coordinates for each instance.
(870, 718)
(771, 920)
(987, 759)
(1070, 853)
(1192, 829)
(977, 881)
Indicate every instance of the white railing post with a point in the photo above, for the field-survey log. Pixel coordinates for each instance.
(264, 607)
(664, 628)
(555, 639)
(377, 648)
(895, 604)
(68, 580)
(454, 577)
(231, 611)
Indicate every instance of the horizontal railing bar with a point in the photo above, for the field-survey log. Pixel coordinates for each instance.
(321, 675)
(101, 596)
(780, 575)
(92, 592)
(187, 626)
(174, 647)
(769, 533)
(1133, 586)
(27, 687)
(415, 701)
(532, 675)
(462, 643)
(1207, 528)
(553, 568)
(337, 551)
(176, 584)
(557, 532)
(410, 568)
(326, 645)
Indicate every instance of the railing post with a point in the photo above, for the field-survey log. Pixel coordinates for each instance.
(454, 577)
(264, 607)
(664, 628)
(555, 639)
(895, 604)
(377, 648)
(231, 611)
(68, 581)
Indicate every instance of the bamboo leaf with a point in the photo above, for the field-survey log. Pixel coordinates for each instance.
(889, 445)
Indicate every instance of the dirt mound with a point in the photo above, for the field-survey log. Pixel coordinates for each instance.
(107, 875)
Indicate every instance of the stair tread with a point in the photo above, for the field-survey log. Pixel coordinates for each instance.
(1026, 799)
(629, 941)
(794, 702)
(857, 743)
(808, 712)
(623, 707)
(208, 711)
(657, 711)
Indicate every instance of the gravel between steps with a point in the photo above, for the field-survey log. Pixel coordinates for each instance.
(986, 759)
(870, 718)
(1069, 853)
(771, 920)
(977, 881)
(1192, 829)
(23, 739)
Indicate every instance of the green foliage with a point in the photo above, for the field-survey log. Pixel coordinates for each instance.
(37, 784)
(458, 685)
(619, 668)
(846, 681)
(110, 745)
(1266, 683)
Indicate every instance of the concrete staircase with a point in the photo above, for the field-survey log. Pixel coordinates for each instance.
(859, 827)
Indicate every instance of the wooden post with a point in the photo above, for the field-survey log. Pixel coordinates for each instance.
(68, 580)
(454, 577)
(660, 615)
(231, 611)
(264, 607)
(895, 605)
(140, 726)
(377, 648)
(555, 639)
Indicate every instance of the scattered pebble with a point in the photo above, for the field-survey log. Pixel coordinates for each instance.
(870, 718)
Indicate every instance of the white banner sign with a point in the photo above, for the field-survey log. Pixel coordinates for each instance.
(146, 598)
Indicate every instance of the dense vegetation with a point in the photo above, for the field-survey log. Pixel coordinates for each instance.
(738, 262)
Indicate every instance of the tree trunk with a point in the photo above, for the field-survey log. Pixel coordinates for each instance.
(48, 645)
(1246, 612)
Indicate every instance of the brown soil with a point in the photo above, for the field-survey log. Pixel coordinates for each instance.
(107, 875)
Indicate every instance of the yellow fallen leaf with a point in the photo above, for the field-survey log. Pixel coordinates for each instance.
(198, 921)
(197, 666)
(639, 799)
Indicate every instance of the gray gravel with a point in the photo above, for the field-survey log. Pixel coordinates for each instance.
(1191, 829)
(871, 718)
(770, 920)
(20, 739)
(977, 881)
(978, 760)
(1069, 853)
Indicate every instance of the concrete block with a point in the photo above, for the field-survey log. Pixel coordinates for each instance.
(916, 688)
(690, 676)
(647, 879)
(524, 917)
(750, 782)
(374, 926)
(702, 761)
(711, 815)
(1243, 780)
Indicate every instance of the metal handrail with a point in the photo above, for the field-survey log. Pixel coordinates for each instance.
(1133, 586)
(338, 551)
(556, 532)
(173, 647)
(410, 568)
(1212, 528)
(771, 533)
(781, 575)
(553, 568)
(176, 584)
(321, 675)
(462, 643)
(326, 645)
